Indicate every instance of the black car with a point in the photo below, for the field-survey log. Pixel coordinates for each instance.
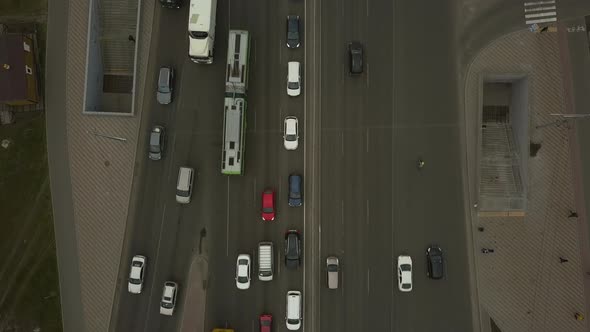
(295, 195)
(292, 249)
(293, 31)
(171, 3)
(355, 51)
(434, 259)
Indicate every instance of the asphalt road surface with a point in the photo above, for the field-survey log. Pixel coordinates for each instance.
(375, 203)
(372, 205)
(226, 208)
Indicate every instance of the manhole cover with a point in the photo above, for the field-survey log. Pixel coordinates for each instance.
(6, 143)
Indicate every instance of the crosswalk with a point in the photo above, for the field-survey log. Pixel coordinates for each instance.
(536, 12)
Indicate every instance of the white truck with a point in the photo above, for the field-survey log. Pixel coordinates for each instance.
(265, 261)
(201, 30)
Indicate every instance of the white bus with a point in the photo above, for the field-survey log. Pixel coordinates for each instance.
(236, 87)
(234, 136)
(201, 30)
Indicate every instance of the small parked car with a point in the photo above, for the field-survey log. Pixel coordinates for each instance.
(404, 273)
(157, 142)
(136, 274)
(291, 133)
(265, 323)
(295, 190)
(293, 40)
(292, 249)
(293, 78)
(165, 85)
(355, 52)
(243, 271)
(434, 261)
(268, 205)
(168, 301)
(333, 266)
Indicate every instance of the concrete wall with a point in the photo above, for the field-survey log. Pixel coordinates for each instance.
(519, 118)
(94, 65)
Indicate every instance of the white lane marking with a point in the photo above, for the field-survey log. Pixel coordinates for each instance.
(545, 20)
(368, 281)
(254, 121)
(368, 75)
(540, 14)
(156, 262)
(255, 191)
(534, 3)
(342, 139)
(538, 9)
(367, 212)
(367, 140)
(367, 8)
(254, 42)
(342, 211)
(227, 221)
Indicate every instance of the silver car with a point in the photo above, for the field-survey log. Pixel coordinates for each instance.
(165, 85)
(157, 141)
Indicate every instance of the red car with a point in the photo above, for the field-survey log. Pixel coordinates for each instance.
(268, 205)
(265, 323)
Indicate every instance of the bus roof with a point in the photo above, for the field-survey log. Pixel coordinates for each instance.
(233, 126)
(236, 75)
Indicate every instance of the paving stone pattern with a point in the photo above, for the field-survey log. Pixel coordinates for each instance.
(523, 286)
(101, 170)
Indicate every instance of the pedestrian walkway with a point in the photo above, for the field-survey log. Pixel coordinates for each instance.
(100, 158)
(533, 281)
(537, 12)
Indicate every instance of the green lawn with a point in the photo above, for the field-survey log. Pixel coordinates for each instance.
(29, 288)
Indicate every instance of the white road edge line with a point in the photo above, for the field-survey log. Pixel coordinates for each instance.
(227, 222)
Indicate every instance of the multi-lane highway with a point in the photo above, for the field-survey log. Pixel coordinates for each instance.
(227, 208)
(371, 203)
(375, 203)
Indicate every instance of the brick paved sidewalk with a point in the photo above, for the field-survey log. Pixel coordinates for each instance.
(523, 286)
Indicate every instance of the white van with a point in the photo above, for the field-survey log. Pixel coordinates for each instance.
(332, 266)
(293, 310)
(294, 79)
(184, 186)
(265, 261)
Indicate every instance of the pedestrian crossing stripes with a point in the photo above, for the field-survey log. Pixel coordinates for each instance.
(536, 12)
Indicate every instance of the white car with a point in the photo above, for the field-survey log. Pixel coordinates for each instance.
(293, 79)
(243, 271)
(404, 273)
(168, 301)
(291, 133)
(135, 281)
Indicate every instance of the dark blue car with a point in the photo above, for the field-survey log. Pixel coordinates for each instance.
(295, 190)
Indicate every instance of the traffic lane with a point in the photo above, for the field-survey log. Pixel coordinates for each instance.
(426, 72)
(344, 236)
(380, 221)
(332, 235)
(332, 66)
(432, 212)
(146, 231)
(379, 59)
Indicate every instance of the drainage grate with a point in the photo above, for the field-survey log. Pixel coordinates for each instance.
(496, 114)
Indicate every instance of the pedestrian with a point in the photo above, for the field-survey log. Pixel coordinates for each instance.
(563, 260)
(131, 38)
(573, 214)
(578, 316)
